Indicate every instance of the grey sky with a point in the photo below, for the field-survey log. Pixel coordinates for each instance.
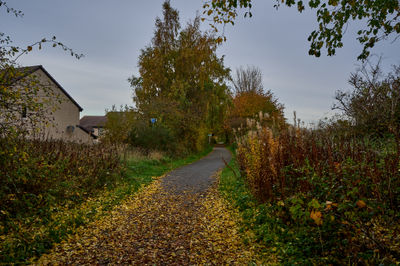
(111, 34)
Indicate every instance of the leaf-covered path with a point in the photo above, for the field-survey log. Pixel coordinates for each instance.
(179, 219)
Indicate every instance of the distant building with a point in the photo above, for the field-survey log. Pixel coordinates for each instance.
(62, 117)
(93, 124)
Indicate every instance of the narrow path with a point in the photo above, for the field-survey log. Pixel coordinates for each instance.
(198, 176)
(177, 220)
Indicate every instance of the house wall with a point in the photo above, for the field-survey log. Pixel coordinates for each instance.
(62, 112)
(80, 136)
(96, 131)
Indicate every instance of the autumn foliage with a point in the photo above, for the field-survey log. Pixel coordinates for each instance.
(182, 84)
(40, 182)
(337, 196)
(162, 228)
(251, 102)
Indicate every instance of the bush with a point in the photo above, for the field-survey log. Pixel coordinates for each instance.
(326, 199)
(38, 181)
(155, 137)
(373, 104)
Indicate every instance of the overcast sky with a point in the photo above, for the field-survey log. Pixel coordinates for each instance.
(111, 34)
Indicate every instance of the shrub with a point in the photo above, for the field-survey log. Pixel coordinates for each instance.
(39, 179)
(154, 137)
(373, 104)
(329, 199)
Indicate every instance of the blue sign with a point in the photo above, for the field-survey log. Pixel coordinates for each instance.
(153, 120)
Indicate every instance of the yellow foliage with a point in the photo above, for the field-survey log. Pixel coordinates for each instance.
(161, 227)
(361, 204)
(317, 217)
(258, 152)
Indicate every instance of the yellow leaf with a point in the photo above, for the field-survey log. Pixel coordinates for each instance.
(316, 216)
(329, 205)
(361, 204)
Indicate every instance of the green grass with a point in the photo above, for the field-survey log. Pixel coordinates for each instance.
(234, 188)
(254, 215)
(142, 171)
(293, 240)
(286, 243)
(145, 169)
(37, 235)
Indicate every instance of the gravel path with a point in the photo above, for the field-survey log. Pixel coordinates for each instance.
(158, 226)
(199, 176)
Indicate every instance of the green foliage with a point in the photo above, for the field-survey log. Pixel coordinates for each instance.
(50, 189)
(153, 137)
(373, 104)
(338, 219)
(119, 124)
(381, 18)
(152, 167)
(182, 81)
(324, 199)
(39, 179)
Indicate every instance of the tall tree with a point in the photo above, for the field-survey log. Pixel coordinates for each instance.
(373, 103)
(248, 80)
(118, 124)
(252, 101)
(382, 18)
(182, 81)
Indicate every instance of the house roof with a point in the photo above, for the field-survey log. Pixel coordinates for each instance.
(90, 121)
(31, 69)
(86, 131)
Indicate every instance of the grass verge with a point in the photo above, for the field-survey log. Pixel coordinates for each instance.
(33, 236)
(291, 242)
(233, 188)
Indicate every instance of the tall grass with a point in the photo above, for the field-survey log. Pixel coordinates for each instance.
(338, 197)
